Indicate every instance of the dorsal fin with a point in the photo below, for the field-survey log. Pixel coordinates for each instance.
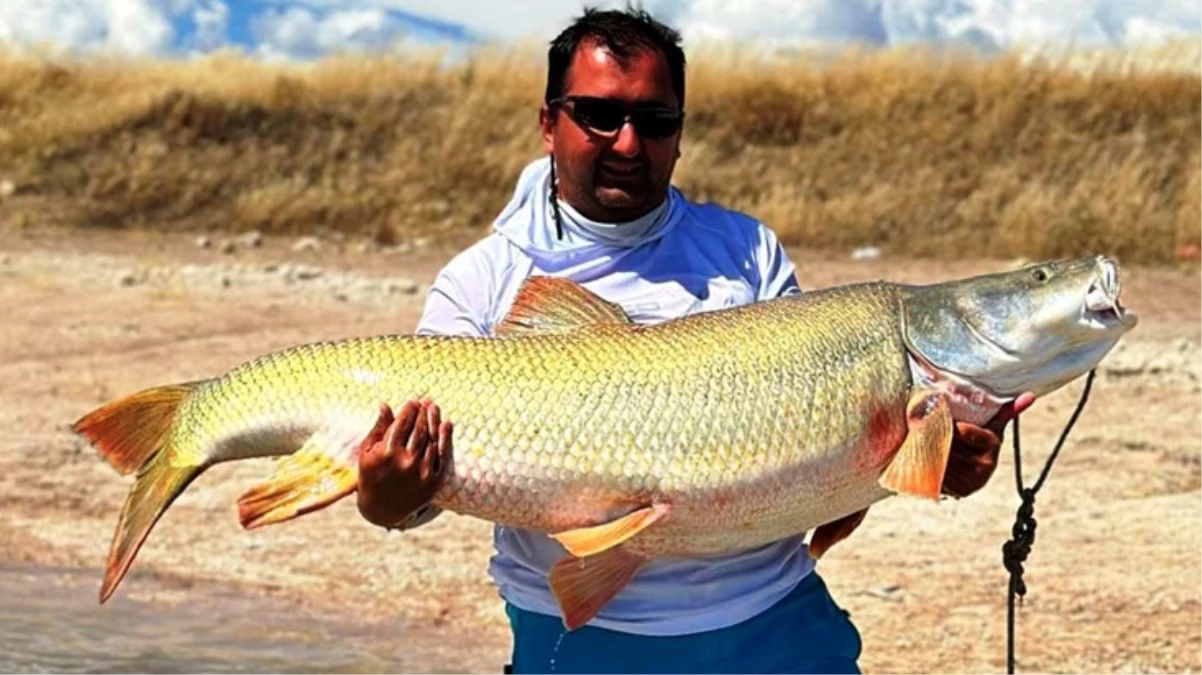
(554, 305)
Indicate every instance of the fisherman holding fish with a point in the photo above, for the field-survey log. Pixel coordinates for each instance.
(646, 405)
(600, 210)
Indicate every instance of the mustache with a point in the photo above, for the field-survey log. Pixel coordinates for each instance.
(627, 164)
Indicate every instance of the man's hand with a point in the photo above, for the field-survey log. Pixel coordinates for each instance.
(975, 449)
(402, 462)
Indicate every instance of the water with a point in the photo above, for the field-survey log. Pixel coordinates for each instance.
(50, 622)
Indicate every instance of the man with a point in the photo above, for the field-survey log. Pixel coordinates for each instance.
(600, 210)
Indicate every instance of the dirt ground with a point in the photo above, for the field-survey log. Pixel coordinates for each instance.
(1113, 579)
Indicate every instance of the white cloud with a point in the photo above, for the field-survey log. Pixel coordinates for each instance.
(211, 20)
(774, 21)
(120, 26)
(301, 32)
(308, 28)
(985, 23)
(507, 20)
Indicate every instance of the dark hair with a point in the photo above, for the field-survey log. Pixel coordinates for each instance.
(621, 32)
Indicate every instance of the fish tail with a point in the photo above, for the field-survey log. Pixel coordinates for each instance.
(157, 486)
(130, 430)
(133, 434)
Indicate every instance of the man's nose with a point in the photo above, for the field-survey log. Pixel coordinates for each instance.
(627, 143)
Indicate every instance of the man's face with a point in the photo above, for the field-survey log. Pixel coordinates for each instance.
(617, 175)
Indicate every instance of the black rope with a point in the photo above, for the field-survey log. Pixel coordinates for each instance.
(555, 201)
(1015, 551)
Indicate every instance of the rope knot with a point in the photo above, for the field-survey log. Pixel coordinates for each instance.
(1015, 551)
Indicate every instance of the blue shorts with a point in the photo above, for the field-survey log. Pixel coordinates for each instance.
(806, 632)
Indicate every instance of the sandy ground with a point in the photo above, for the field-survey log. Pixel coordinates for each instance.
(1113, 578)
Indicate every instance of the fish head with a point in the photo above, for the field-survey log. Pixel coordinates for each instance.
(1033, 329)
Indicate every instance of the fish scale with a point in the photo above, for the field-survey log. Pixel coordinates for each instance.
(713, 433)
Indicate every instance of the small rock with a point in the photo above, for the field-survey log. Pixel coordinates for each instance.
(228, 246)
(866, 253)
(226, 282)
(306, 244)
(129, 278)
(401, 287)
(7, 188)
(300, 272)
(203, 242)
(890, 593)
(252, 239)
(5, 259)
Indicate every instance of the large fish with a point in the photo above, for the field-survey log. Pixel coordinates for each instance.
(711, 433)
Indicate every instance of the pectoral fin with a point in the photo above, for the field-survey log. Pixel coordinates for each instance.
(919, 465)
(587, 541)
(582, 586)
(833, 532)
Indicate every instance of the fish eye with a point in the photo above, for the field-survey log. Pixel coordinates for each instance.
(1039, 274)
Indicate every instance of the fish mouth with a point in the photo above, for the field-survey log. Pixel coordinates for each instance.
(1103, 305)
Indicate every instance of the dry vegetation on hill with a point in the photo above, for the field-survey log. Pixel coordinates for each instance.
(920, 155)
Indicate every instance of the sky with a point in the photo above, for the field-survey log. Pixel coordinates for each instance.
(306, 29)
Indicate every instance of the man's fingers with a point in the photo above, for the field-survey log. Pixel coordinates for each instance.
(367, 455)
(445, 436)
(430, 456)
(417, 440)
(383, 420)
(1024, 401)
(401, 429)
(432, 417)
(977, 437)
(1011, 410)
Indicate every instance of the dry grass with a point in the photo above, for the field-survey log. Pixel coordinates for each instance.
(922, 155)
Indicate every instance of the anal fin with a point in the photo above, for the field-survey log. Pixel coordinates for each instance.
(587, 541)
(307, 480)
(582, 586)
(918, 467)
(833, 532)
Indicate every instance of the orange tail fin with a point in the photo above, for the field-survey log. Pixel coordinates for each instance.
(132, 433)
(129, 430)
(157, 486)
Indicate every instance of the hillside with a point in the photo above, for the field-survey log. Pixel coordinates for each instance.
(918, 154)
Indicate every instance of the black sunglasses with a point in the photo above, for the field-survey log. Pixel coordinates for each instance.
(605, 117)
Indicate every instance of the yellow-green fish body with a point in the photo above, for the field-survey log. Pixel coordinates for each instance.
(737, 420)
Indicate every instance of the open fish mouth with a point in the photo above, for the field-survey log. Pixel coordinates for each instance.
(1102, 303)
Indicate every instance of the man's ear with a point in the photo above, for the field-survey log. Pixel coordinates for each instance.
(547, 126)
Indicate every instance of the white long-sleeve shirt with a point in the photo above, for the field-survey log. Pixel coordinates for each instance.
(693, 258)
